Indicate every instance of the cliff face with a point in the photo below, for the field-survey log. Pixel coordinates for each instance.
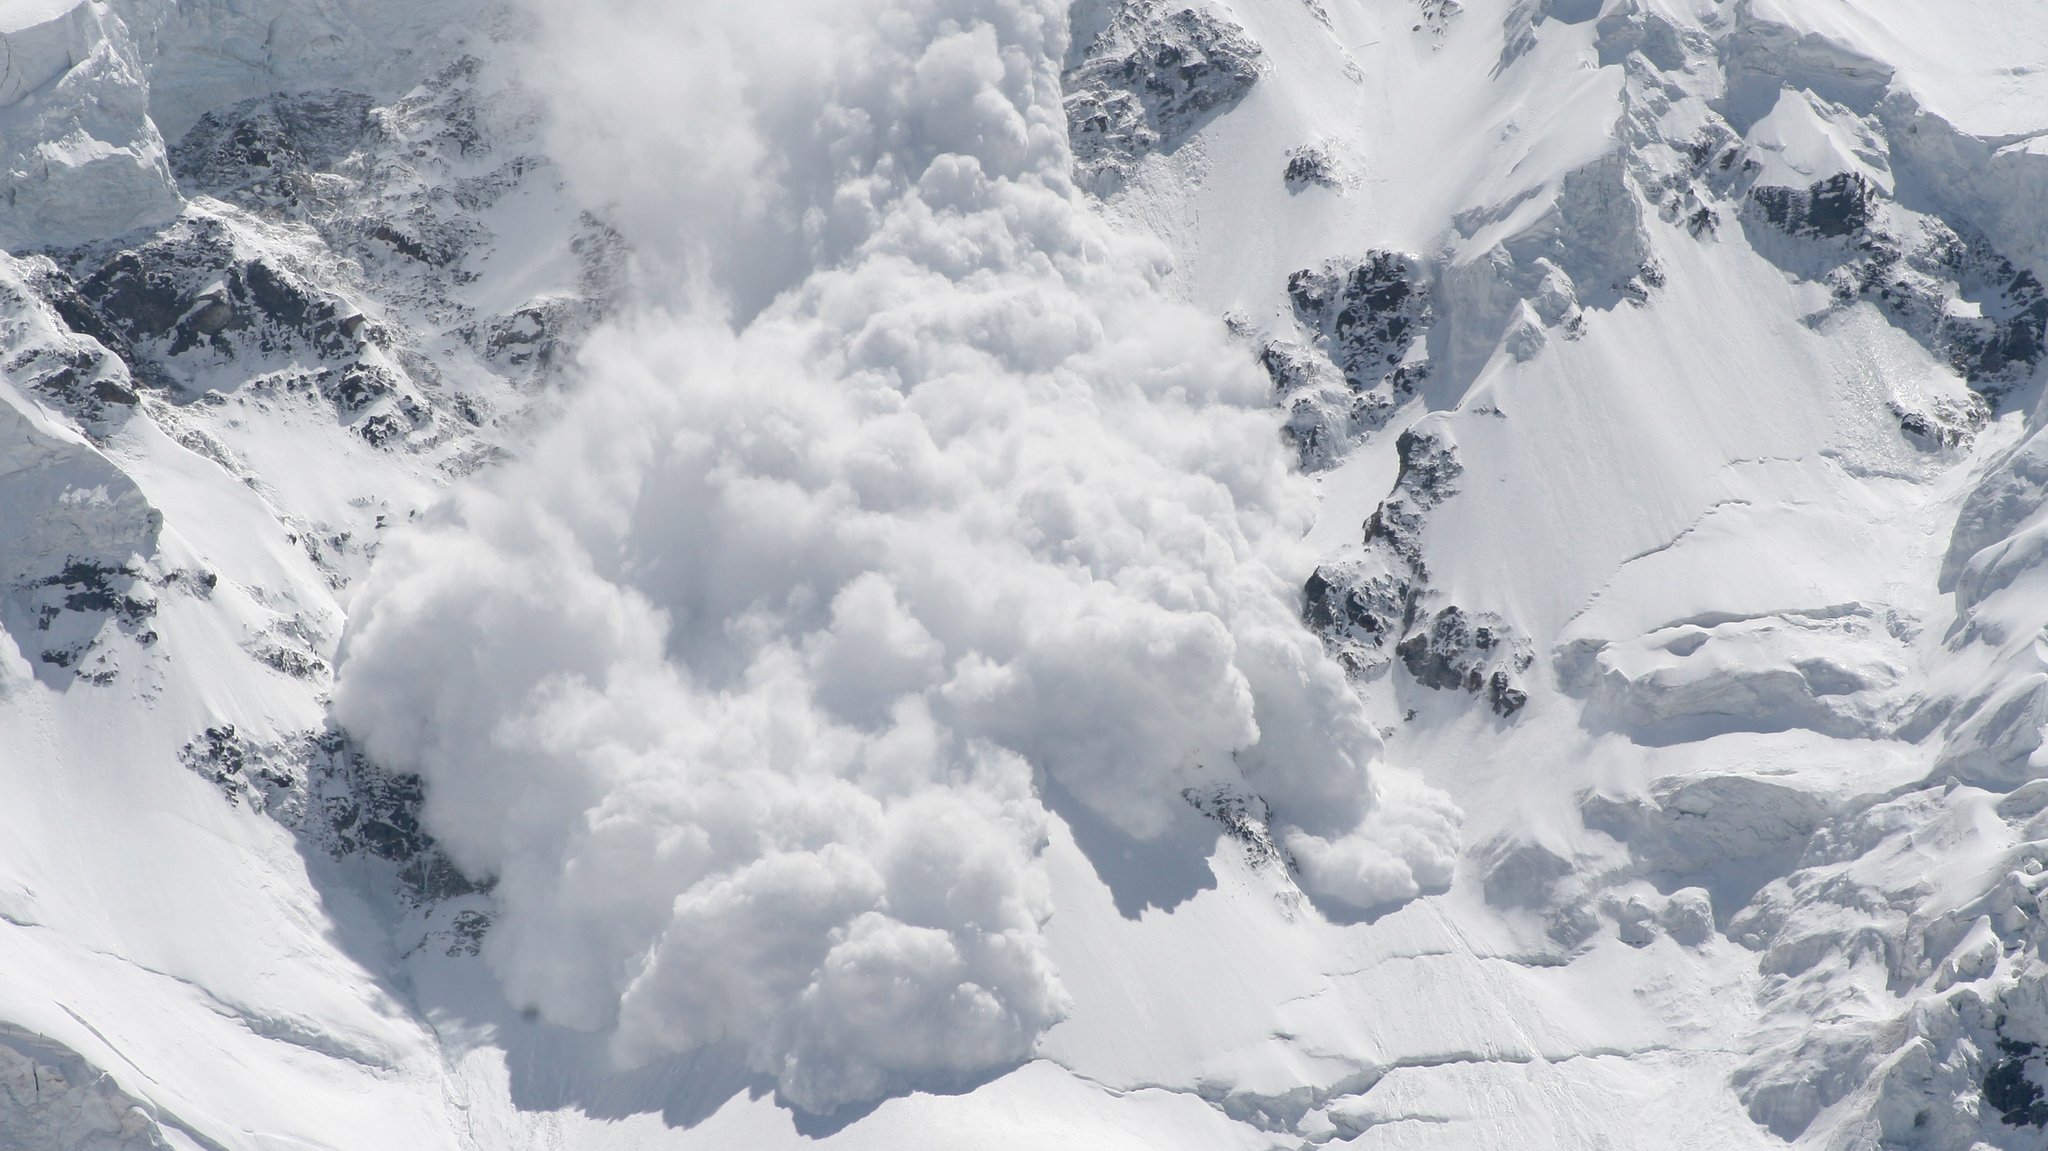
(1223, 574)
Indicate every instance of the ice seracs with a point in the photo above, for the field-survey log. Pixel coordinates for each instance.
(82, 159)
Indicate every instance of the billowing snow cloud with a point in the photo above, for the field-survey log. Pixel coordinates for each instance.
(904, 484)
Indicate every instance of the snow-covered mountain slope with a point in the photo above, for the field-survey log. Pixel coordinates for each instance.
(1226, 573)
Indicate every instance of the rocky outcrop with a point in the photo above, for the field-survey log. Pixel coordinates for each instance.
(1373, 608)
(1245, 819)
(340, 804)
(272, 151)
(200, 296)
(1840, 205)
(1478, 653)
(1954, 293)
(1362, 608)
(77, 543)
(312, 285)
(1149, 80)
(1313, 166)
(1367, 320)
(53, 346)
(266, 289)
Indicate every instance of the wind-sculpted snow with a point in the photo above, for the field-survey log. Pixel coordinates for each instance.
(752, 684)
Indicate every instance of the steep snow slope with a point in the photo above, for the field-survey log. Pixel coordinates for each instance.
(1665, 373)
(1703, 405)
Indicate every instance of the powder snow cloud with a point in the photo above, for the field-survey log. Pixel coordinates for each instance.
(903, 485)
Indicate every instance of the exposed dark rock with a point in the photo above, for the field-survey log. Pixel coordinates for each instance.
(2010, 1086)
(1502, 695)
(270, 151)
(381, 429)
(89, 586)
(290, 661)
(1841, 205)
(1367, 319)
(1371, 609)
(139, 297)
(1943, 422)
(2001, 345)
(331, 795)
(1361, 608)
(1955, 294)
(1428, 476)
(383, 201)
(440, 255)
(535, 338)
(1367, 316)
(1964, 302)
(1150, 80)
(1245, 818)
(356, 386)
(190, 298)
(1478, 653)
(1325, 416)
(76, 377)
(190, 302)
(1435, 16)
(72, 606)
(467, 932)
(232, 764)
(1311, 165)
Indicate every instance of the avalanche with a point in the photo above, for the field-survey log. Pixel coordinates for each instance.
(999, 573)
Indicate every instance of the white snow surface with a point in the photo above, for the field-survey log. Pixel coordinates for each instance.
(871, 671)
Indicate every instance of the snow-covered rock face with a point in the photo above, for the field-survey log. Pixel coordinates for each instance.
(1147, 80)
(1368, 320)
(77, 538)
(1215, 573)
